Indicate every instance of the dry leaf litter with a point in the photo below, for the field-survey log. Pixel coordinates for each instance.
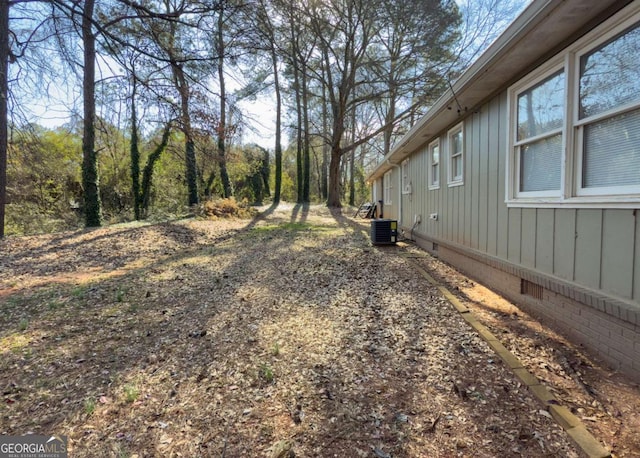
(286, 335)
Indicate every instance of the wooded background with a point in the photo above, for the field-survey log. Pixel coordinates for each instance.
(120, 109)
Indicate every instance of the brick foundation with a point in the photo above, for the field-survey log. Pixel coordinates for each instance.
(605, 326)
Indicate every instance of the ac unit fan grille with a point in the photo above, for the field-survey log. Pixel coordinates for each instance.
(384, 231)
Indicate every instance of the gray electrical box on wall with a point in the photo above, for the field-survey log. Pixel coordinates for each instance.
(384, 231)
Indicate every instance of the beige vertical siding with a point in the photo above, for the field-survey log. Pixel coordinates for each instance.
(588, 247)
(636, 257)
(502, 215)
(483, 191)
(391, 211)
(470, 189)
(514, 231)
(596, 248)
(528, 237)
(564, 244)
(495, 192)
(618, 229)
(545, 224)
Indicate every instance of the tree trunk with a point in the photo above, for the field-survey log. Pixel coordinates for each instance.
(264, 172)
(208, 185)
(333, 196)
(257, 186)
(343, 179)
(325, 143)
(278, 149)
(191, 167)
(180, 82)
(90, 177)
(299, 169)
(189, 145)
(135, 155)
(306, 161)
(352, 162)
(222, 126)
(4, 117)
(391, 113)
(147, 173)
(276, 84)
(352, 178)
(297, 91)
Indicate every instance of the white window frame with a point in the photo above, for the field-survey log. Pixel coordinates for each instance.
(387, 185)
(434, 181)
(406, 183)
(572, 194)
(515, 144)
(579, 124)
(455, 180)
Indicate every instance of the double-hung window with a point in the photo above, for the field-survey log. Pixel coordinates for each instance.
(539, 138)
(456, 156)
(434, 165)
(406, 183)
(387, 185)
(608, 124)
(575, 123)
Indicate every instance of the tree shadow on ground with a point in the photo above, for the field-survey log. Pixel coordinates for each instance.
(81, 252)
(300, 212)
(277, 332)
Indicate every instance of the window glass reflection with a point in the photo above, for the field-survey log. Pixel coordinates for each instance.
(609, 75)
(541, 108)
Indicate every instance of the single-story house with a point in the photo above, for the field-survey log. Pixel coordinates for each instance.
(526, 174)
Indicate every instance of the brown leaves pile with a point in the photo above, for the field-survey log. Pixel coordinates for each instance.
(225, 208)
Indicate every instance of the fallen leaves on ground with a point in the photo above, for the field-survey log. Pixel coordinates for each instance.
(606, 401)
(285, 335)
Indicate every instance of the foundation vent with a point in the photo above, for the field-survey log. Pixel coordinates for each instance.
(531, 289)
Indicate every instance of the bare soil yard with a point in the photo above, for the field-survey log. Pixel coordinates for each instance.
(286, 335)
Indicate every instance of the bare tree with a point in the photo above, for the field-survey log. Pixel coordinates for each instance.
(4, 94)
(267, 28)
(362, 65)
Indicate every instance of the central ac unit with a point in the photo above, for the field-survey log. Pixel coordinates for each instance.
(384, 231)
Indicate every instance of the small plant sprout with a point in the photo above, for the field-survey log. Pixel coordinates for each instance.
(78, 292)
(23, 324)
(266, 373)
(120, 295)
(89, 406)
(55, 304)
(131, 393)
(275, 350)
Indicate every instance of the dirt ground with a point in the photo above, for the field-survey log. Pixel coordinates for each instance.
(606, 401)
(286, 335)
